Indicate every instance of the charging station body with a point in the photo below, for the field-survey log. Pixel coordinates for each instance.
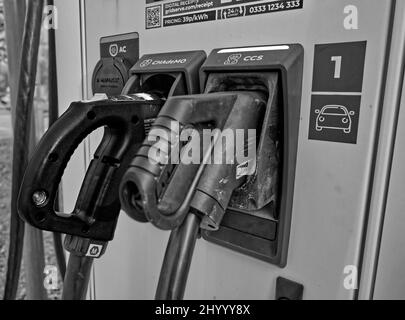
(351, 83)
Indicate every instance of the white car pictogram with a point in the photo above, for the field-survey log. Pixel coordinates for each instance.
(334, 117)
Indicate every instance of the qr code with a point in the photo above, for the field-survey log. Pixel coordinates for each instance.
(153, 17)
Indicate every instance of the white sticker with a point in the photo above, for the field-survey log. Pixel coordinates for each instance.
(134, 97)
(94, 251)
(145, 96)
(243, 170)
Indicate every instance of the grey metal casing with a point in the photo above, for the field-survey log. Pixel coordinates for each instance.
(332, 183)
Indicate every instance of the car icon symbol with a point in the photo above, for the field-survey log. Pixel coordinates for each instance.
(334, 117)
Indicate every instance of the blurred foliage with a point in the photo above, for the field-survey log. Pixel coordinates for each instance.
(41, 92)
(40, 108)
(4, 85)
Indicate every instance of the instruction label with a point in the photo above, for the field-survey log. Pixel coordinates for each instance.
(261, 8)
(335, 118)
(336, 91)
(194, 11)
(186, 6)
(190, 18)
(123, 45)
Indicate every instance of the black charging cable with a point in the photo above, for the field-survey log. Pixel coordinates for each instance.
(77, 277)
(177, 260)
(22, 128)
(180, 248)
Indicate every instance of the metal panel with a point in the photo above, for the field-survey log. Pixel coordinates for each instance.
(384, 158)
(70, 88)
(389, 282)
(390, 278)
(332, 179)
(72, 85)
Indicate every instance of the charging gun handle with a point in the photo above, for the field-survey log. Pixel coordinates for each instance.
(98, 205)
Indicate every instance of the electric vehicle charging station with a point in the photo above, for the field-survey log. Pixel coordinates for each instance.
(345, 212)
